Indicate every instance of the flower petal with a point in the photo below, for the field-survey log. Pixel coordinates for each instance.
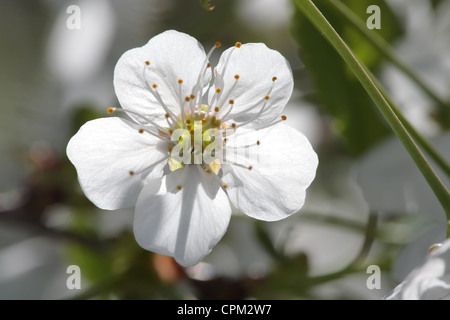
(256, 65)
(269, 182)
(104, 151)
(186, 223)
(171, 56)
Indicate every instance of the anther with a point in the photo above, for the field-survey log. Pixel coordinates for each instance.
(131, 173)
(192, 96)
(167, 116)
(267, 97)
(154, 86)
(141, 130)
(217, 44)
(192, 131)
(218, 90)
(237, 77)
(283, 118)
(233, 125)
(147, 62)
(179, 187)
(258, 143)
(110, 110)
(180, 81)
(216, 109)
(231, 101)
(250, 168)
(187, 99)
(238, 44)
(224, 186)
(208, 65)
(274, 79)
(188, 121)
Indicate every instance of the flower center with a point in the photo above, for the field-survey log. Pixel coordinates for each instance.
(196, 139)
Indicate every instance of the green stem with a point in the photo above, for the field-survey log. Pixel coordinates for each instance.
(385, 49)
(434, 154)
(365, 78)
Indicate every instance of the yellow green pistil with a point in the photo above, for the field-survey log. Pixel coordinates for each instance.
(194, 133)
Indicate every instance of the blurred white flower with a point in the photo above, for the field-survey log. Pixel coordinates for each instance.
(265, 14)
(183, 210)
(431, 281)
(393, 186)
(77, 55)
(425, 48)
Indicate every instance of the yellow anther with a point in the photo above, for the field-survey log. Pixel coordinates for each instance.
(238, 44)
(187, 99)
(147, 62)
(188, 121)
(141, 130)
(218, 90)
(154, 86)
(110, 110)
(179, 187)
(267, 97)
(250, 168)
(224, 186)
(180, 81)
(131, 173)
(191, 132)
(274, 79)
(217, 44)
(216, 109)
(167, 116)
(192, 96)
(231, 101)
(258, 143)
(283, 118)
(233, 125)
(208, 65)
(236, 76)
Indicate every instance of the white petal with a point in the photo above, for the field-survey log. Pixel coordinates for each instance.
(104, 151)
(172, 56)
(283, 166)
(186, 223)
(256, 66)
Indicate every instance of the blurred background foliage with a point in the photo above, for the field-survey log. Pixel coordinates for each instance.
(368, 204)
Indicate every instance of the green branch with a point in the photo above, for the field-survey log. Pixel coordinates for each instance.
(385, 49)
(366, 79)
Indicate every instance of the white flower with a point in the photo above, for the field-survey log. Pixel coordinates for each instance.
(431, 281)
(182, 207)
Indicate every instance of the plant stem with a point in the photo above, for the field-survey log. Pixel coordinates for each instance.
(365, 78)
(385, 49)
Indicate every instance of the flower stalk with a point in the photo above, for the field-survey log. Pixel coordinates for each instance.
(366, 79)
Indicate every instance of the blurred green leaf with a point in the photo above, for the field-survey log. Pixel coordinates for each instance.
(356, 119)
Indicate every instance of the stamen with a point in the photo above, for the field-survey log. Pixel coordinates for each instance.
(224, 186)
(141, 130)
(111, 110)
(237, 77)
(274, 79)
(283, 118)
(157, 96)
(179, 187)
(266, 97)
(147, 62)
(180, 81)
(217, 44)
(132, 173)
(238, 44)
